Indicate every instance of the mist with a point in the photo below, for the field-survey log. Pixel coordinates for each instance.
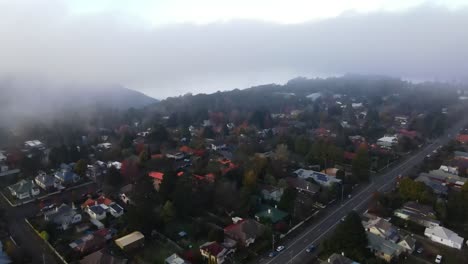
(45, 39)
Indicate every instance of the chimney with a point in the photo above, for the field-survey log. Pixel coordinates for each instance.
(269, 211)
(342, 254)
(276, 206)
(329, 260)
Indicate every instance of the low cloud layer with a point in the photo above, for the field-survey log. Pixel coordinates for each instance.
(44, 39)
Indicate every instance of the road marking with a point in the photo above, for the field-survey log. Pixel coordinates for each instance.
(325, 219)
(384, 176)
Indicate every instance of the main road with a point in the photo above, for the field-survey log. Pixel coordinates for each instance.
(294, 251)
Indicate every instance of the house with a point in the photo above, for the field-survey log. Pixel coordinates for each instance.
(408, 243)
(339, 259)
(274, 215)
(462, 138)
(437, 187)
(245, 231)
(387, 141)
(214, 253)
(176, 156)
(115, 210)
(175, 259)
(45, 181)
(104, 146)
(420, 214)
(102, 257)
(382, 248)
(321, 178)
(444, 236)
(131, 241)
(95, 171)
(303, 185)
(445, 178)
(272, 193)
(460, 155)
(66, 175)
(380, 227)
(34, 144)
(92, 242)
(157, 178)
(23, 189)
(97, 212)
(64, 216)
(449, 169)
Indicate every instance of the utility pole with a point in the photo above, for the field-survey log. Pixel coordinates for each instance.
(273, 241)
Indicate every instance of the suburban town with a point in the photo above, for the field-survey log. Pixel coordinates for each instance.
(368, 172)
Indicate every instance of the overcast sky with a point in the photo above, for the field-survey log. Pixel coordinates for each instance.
(168, 48)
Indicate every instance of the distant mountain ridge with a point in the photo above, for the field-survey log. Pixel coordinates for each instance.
(31, 98)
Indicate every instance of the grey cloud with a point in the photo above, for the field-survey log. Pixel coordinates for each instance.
(423, 43)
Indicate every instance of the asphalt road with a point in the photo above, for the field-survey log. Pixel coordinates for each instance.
(294, 251)
(24, 236)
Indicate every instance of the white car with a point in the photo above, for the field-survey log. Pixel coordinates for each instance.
(280, 248)
(438, 259)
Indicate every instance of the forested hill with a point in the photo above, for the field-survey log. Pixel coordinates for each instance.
(274, 97)
(34, 99)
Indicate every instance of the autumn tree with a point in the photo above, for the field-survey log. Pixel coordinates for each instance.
(361, 165)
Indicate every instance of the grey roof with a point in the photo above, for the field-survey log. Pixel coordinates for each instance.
(380, 244)
(436, 186)
(22, 186)
(339, 259)
(61, 214)
(461, 154)
(97, 209)
(116, 207)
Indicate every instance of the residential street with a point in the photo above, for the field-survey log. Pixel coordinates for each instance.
(295, 248)
(23, 235)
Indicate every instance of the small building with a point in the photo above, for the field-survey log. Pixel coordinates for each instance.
(214, 253)
(380, 227)
(274, 215)
(131, 241)
(46, 181)
(245, 231)
(382, 248)
(24, 189)
(444, 236)
(175, 259)
(420, 214)
(64, 216)
(65, 175)
(272, 193)
(97, 212)
(408, 243)
(321, 178)
(387, 141)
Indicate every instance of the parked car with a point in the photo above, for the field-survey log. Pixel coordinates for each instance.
(310, 248)
(273, 254)
(280, 248)
(420, 250)
(438, 259)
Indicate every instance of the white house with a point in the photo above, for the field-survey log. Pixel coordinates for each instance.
(387, 141)
(444, 236)
(97, 212)
(320, 178)
(23, 189)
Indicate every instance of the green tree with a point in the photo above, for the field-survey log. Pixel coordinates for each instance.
(168, 212)
(80, 167)
(287, 199)
(282, 152)
(182, 196)
(113, 178)
(44, 235)
(361, 165)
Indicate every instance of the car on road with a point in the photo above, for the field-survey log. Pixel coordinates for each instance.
(310, 248)
(273, 254)
(343, 219)
(420, 250)
(47, 207)
(280, 248)
(438, 259)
